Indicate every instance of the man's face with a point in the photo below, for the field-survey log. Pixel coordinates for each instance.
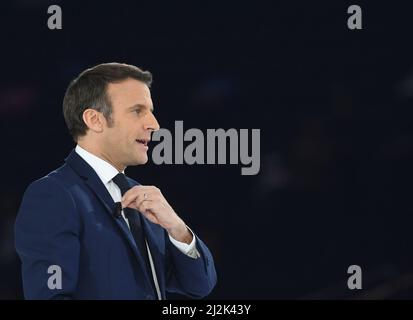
(124, 143)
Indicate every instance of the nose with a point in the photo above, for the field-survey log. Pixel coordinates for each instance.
(151, 123)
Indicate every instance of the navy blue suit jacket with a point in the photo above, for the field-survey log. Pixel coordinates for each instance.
(66, 219)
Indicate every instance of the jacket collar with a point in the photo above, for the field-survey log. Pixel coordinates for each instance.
(92, 180)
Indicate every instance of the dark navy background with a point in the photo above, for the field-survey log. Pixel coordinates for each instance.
(334, 107)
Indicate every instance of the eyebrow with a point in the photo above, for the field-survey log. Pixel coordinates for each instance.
(138, 105)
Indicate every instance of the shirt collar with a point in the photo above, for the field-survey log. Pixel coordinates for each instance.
(104, 170)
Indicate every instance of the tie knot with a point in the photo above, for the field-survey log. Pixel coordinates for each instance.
(121, 181)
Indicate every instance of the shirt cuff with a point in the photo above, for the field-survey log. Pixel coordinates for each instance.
(188, 249)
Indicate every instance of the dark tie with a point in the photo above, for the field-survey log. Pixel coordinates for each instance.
(135, 222)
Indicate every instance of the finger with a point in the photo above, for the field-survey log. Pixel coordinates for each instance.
(130, 195)
(148, 206)
(139, 198)
(140, 189)
(137, 194)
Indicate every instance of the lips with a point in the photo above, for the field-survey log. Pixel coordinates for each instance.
(143, 141)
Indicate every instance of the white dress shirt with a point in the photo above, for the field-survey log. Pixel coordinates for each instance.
(106, 172)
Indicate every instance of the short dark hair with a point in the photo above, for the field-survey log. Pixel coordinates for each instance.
(89, 90)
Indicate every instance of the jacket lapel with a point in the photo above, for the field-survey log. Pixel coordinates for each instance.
(92, 180)
(155, 253)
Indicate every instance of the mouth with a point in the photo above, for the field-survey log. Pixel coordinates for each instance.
(143, 142)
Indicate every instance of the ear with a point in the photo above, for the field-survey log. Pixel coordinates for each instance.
(94, 120)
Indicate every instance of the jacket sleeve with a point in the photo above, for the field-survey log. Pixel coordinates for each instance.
(47, 241)
(193, 277)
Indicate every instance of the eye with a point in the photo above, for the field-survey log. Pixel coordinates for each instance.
(138, 111)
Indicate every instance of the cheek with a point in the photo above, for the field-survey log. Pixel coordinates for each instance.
(123, 136)
(118, 139)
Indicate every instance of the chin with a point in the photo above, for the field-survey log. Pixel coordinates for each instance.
(142, 160)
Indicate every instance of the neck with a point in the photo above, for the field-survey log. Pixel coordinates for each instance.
(100, 154)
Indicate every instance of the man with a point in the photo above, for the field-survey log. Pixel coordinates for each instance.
(86, 231)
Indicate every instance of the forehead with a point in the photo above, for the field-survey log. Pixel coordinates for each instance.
(129, 92)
